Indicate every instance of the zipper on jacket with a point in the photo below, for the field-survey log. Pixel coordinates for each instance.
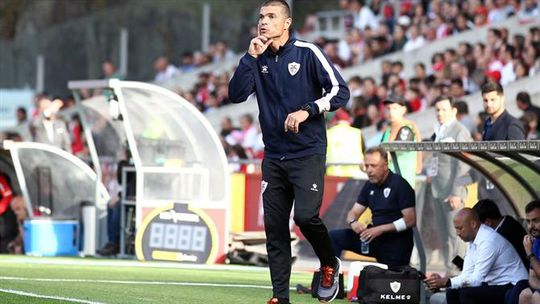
(277, 56)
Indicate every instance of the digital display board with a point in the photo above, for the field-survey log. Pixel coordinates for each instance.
(177, 233)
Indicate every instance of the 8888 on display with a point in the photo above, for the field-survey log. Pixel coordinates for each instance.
(176, 233)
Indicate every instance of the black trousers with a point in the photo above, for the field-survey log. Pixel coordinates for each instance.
(494, 294)
(299, 180)
(392, 249)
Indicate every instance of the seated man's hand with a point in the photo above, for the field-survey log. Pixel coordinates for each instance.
(435, 282)
(372, 233)
(358, 227)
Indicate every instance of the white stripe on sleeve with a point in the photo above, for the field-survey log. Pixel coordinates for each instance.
(324, 102)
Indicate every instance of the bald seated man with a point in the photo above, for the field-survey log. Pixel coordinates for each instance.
(491, 268)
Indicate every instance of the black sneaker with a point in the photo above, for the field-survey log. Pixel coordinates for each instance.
(109, 249)
(329, 283)
(278, 301)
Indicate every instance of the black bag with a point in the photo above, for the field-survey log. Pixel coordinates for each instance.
(377, 285)
(315, 285)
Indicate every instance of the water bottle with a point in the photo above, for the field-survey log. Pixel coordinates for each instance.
(364, 246)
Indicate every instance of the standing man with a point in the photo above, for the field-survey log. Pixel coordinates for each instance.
(391, 200)
(448, 178)
(499, 125)
(48, 128)
(401, 129)
(109, 70)
(345, 146)
(288, 77)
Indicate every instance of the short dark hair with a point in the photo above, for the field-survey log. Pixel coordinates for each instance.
(451, 51)
(398, 62)
(281, 3)
(487, 209)
(524, 97)
(481, 45)
(435, 56)
(462, 107)
(457, 81)
(444, 97)
(532, 205)
(248, 117)
(361, 2)
(491, 86)
(22, 110)
(510, 49)
(370, 79)
(496, 32)
(356, 78)
(378, 149)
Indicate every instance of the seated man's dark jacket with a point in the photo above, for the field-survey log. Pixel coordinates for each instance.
(514, 232)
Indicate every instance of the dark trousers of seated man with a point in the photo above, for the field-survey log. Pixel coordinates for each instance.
(494, 294)
(392, 249)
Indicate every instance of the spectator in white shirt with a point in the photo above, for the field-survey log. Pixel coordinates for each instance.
(249, 133)
(164, 70)
(344, 51)
(529, 11)
(363, 15)
(222, 52)
(507, 72)
(491, 267)
(499, 12)
(415, 41)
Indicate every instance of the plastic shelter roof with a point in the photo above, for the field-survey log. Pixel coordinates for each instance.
(52, 180)
(511, 166)
(177, 154)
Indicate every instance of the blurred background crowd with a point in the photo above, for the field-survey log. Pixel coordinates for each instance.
(372, 29)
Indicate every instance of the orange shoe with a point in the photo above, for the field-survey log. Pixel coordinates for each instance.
(329, 283)
(278, 301)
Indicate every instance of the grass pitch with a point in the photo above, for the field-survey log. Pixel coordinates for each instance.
(76, 280)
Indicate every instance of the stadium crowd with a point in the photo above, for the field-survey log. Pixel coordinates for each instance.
(381, 28)
(454, 72)
(372, 30)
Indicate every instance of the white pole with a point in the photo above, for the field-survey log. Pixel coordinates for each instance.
(124, 35)
(40, 73)
(206, 27)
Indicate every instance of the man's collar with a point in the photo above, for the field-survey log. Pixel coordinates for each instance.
(383, 182)
(481, 230)
(497, 118)
(448, 123)
(285, 46)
